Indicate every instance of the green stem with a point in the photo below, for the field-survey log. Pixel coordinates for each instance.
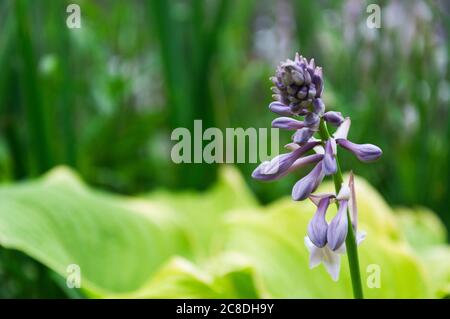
(350, 241)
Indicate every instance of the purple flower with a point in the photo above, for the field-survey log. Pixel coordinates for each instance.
(334, 118)
(331, 259)
(317, 227)
(319, 107)
(297, 83)
(308, 184)
(337, 230)
(298, 88)
(280, 109)
(288, 123)
(312, 120)
(302, 135)
(364, 152)
(280, 165)
(329, 160)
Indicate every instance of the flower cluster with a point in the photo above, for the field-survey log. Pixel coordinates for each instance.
(298, 94)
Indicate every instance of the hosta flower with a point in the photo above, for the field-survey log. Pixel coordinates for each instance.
(297, 84)
(331, 259)
(364, 152)
(308, 184)
(329, 160)
(298, 100)
(284, 163)
(333, 234)
(333, 118)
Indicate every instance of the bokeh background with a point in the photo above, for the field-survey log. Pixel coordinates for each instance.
(104, 99)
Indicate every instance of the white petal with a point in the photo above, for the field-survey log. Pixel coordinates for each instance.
(342, 131)
(308, 243)
(330, 259)
(315, 257)
(333, 265)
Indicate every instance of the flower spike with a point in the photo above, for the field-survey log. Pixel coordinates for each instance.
(297, 90)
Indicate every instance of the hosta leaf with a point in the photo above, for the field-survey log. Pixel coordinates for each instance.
(421, 227)
(225, 276)
(427, 235)
(216, 244)
(117, 242)
(201, 214)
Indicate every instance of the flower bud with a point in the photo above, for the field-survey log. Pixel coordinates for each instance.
(317, 227)
(280, 109)
(364, 152)
(308, 184)
(287, 123)
(302, 135)
(338, 228)
(334, 118)
(329, 160)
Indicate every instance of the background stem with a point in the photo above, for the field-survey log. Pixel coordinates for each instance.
(350, 241)
(34, 109)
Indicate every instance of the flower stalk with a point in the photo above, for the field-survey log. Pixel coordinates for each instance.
(298, 88)
(350, 241)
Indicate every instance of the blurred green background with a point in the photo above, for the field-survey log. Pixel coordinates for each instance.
(104, 98)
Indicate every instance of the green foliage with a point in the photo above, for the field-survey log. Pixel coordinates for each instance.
(103, 99)
(217, 244)
(138, 69)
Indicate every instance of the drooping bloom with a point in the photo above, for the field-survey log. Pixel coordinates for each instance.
(298, 88)
(331, 259)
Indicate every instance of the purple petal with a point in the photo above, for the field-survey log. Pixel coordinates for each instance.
(303, 92)
(308, 184)
(317, 227)
(275, 168)
(329, 161)
(334, 118)
(307, 147)
(287, 123)
(364, 152)
(319, 106)
(302, 135)
(312, 120)
(303, 161)
(338, 228)
(318, 81)
(279, 165)
(280, 109)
